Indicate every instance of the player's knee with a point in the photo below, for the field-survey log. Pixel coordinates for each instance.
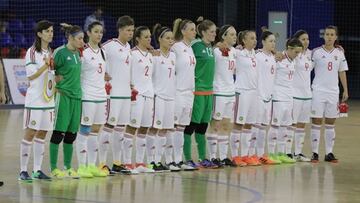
(69, 137)
(57, 137)
(130, 130)
(85, 129)
(143, 130)
(95, 128)
(330, 121)
(317, 121)
(190, 129)
(201, 128)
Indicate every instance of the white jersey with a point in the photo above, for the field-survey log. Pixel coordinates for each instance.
(118, 67)
(142, 72)
(266, 70)
(246, 70)
(283, 82)
(92, 75)
(327, 66)
(302, 76)
(164, 76)
(35, 93)
(224, 72)
(185, 66)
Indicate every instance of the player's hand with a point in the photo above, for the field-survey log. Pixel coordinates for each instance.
(58, 78)
(107, 77)
(239, 47)
(134, 94)
(279, 56)
(345, 96)
(2, 98)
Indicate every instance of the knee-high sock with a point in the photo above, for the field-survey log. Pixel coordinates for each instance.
(289, 139)
(128, 147)
(93, 148)
(315, 138)
(245, 142)
(253, 140)
(39, 148)
(329, 138)
(169, 147)
(150, 148)
(272, 139)
(223, 142)
(299, 140)
(82, 148)
(117, 144)
(212, 140)
(201, 145)
(260, 145)
(281, 140)
(140, 143)
(187, 147)
(178, 143)
(67, 152)
(25, 149)
(235, 142)
(160, 145)
(104, 140)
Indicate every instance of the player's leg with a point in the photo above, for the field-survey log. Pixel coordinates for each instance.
(301, 116)
(331, 113)
(236, 132)
(214, 128)
(317, 114)
(286, 136)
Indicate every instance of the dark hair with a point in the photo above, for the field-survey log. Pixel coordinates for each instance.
(159, 32)
(72, 30)
(39, 27)
(299, 33)
(294, 42)
(137, 33)
(203, 26)
(266, 34)
(220, 32)
(124, 21)
(90, 27)
(241, 36)
(179, 25)
(332, 27)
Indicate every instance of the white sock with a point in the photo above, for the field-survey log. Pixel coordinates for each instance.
(245, 142)
(178, 144)
(315, 138)
(235, 142)
(329, 138)
(299, 140)
(127, 148)
(289, 139)
(117, 143)
(272, 139)
(223, 142)
(92, 148)
(253, 140)
(150, 148)
(212, 144)
(140, 144)
(260, 141)
(39, 148)
(25, 148)
(104, 141)
(82, 148)
(160, 145)
(169, 147)
(281, 139)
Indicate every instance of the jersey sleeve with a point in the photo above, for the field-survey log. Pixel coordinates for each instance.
(58, 60)
(31, 66)
(343, 63)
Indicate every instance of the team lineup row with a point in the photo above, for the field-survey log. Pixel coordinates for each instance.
(156, 99)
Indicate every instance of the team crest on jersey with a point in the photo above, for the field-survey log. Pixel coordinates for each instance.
(33, 122)
(203, 51)
(133, 121)
(112, 119)
(158, 122)
(184, 50)
(313, 112)
(86, 119)
(68, 58)
(266, 60)
(120, 50)
(241, 118)
(218, 114)
(336, 58)
(275, 120)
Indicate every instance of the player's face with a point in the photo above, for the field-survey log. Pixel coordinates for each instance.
(127, 32)
(304, 39)
(269, 43)
(294, 52)
(210, 34)
(230, 37)
(167, 40)
(330, 36)
(189, 32)
(250, 40)
(77, 41)
(145, 38)
(96, 34)
(47, 35)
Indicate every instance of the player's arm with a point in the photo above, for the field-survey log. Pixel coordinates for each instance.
(43, 68)
(343, 80)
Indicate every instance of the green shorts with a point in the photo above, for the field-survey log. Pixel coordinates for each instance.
(202, 109)
(67, 113)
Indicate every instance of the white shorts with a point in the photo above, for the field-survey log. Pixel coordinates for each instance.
(93, 113)
(183, 107)
(164, 113)
(142, 112)
(118, 111)
(301, 111)
(223, 107)
(246, 107)
(324, 105)
(264, 112)
(39, 119)
(282, 113)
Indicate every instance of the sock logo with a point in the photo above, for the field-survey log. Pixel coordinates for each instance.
(25, 155)
(315, 140)
(143, 145)
(83, 151)
(106, 142)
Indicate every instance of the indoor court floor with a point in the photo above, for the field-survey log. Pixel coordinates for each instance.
(301, 182)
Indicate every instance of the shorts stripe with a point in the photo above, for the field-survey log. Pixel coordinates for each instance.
(236, 107)
(107, 109)
(153, 117)
(57, 103)
(28, 113)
